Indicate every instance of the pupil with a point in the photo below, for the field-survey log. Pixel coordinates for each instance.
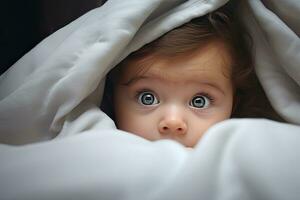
(199, 102)
(148, 99)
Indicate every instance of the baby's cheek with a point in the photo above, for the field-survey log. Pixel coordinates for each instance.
(196, 134)
(198, 129)
(147, 134)
(146, 128)
(139, 126)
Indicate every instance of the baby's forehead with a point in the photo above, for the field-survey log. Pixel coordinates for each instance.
(213, 61)
(167, 76)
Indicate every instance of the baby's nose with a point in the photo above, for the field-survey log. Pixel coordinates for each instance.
(172, 126)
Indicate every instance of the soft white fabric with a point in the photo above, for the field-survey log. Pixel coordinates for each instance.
(277, 51)
(49, 101)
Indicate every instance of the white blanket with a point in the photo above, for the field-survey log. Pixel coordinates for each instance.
(69, 149)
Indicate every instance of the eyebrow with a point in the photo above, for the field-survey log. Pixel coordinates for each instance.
(135, 79)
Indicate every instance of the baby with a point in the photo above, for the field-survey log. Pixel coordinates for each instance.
(189, 79)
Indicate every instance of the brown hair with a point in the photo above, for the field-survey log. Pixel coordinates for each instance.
(222, 24)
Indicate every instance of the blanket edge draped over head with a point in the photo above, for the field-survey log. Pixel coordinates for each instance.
(49, 100)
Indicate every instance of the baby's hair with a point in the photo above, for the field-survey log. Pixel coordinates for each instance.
(222, 24)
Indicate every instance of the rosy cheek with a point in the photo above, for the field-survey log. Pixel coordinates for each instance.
(138, 126)
(147, 133)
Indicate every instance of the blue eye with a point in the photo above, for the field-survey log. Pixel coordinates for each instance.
(147, 98)
(200, 101)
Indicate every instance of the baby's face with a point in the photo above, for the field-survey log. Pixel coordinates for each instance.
(178, 98)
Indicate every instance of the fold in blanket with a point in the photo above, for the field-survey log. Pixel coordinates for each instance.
(49, 100)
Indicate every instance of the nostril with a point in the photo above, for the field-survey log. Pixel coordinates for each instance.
(172, 127)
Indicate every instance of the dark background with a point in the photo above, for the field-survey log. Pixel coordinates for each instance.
(23, 24)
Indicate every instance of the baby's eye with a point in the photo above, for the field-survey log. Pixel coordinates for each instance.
(147, 98)
(200, 101)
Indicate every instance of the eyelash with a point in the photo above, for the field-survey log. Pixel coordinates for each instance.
(138, 92)
(207, 95)
(212, 100)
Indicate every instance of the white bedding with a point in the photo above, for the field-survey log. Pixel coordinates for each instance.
(58, 144)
